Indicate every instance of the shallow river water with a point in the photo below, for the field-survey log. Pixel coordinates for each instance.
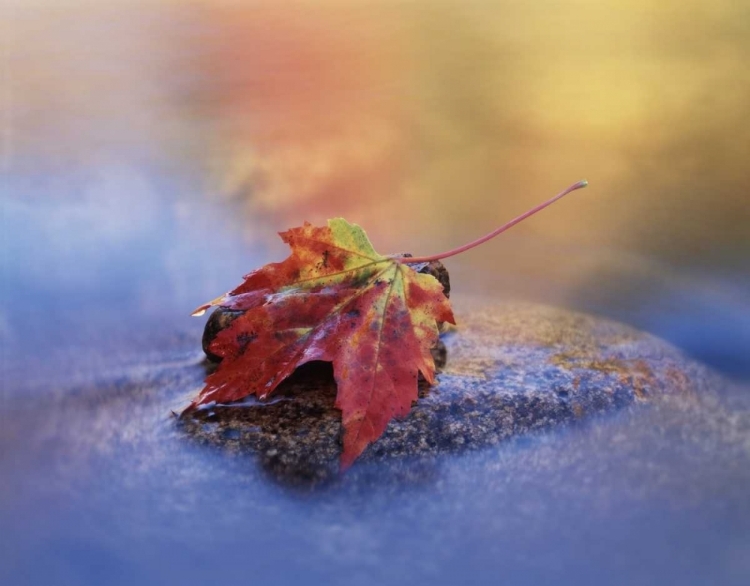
(149, 157)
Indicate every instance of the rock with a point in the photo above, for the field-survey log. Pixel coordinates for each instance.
(220, 318)
(511, 369)
(437, 270)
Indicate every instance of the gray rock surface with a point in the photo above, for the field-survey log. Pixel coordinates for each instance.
(511, 369)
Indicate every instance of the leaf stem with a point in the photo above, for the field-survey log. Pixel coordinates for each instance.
(500, 230)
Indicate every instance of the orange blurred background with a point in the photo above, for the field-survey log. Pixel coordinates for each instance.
(411, 117)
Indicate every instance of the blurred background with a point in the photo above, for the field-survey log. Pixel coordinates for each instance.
(150, 150)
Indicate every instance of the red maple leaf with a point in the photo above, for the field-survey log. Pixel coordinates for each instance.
(335, 299)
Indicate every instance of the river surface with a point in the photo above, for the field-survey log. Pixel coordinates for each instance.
(150, 151)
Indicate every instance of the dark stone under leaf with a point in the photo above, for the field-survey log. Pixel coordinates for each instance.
(511, 369)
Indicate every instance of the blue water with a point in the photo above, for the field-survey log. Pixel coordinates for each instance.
(99, 487)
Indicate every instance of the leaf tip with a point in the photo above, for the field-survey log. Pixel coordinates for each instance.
(346, 461)
(201, 310)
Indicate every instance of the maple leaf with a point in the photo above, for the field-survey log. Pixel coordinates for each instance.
(333, 299)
